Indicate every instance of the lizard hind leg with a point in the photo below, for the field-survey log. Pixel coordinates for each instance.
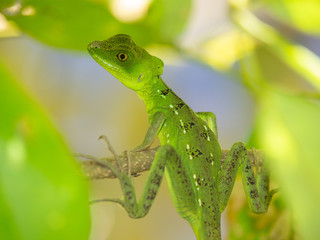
(256, 187)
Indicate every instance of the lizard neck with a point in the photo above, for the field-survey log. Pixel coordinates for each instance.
(157, 96)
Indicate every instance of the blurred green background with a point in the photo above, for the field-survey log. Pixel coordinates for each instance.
(255, 64)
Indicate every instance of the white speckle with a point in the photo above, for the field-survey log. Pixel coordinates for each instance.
(168, 135)
(195, 183)
(188, 147)
(168, 141)
(181, 122)
(202, 179)
(205, 127)
(198, 188)
(208, 138)
(163, 96)
(212, 163)
(158, 90)
(199, 200)
(176, 112)
(165, 124)
(194, 176)
(211, 155)
(191, 157)
(170, 106)
(184, 131)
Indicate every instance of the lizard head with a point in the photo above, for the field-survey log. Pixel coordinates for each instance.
(129, 63)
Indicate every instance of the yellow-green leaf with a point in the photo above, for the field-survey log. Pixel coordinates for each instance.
(75, 23)
(289, 132)
(42, 192)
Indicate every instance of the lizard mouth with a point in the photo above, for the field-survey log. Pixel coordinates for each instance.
(95, 51)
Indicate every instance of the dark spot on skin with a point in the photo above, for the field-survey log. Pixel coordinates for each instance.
(258, 206)
(151, 194)
(187, 126)
(193, 152)
(229, 180)
(251, 181)
(198, 153)
(226, 180)
(232, 164)
(179, 105)
(209, 159)
(156, 180)
(165, 92)
(205, 135)
(235, 154)
(198, 181)
(253, 193)
(146, 206)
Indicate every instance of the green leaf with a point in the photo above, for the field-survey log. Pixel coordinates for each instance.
(297, 57)
(289, 130)
(75, 23)
(6, 3)
(42, 192)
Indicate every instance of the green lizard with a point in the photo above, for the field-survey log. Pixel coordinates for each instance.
(189, 155)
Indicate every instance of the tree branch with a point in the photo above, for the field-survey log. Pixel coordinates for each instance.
(139, 161)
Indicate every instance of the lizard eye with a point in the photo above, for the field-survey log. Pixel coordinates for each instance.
(122, 57)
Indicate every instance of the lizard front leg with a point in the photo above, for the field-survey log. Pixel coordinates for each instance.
(156, 123)
(210, 119)
(134, 208)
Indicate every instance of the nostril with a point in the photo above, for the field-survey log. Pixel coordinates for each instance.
(94, 45)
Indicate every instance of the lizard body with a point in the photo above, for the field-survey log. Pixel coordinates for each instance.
(189, 150)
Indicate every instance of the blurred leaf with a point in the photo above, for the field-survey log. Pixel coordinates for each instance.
(299, 58)
(75, 23)
(173, 16)
(304, 15)
(289, 130)
(42, 192)
(223, 51)
(244, 224)
(6, 3)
